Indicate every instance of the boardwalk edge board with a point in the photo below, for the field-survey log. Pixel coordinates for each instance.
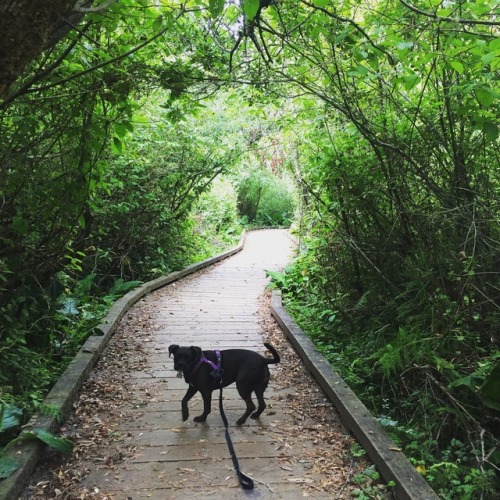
(392, 464)
(66, 389)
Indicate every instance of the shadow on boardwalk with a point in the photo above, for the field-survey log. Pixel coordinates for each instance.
(130, 440)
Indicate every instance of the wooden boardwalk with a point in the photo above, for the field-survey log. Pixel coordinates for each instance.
(131, 441)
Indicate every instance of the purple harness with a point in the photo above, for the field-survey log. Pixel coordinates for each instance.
(216, 368)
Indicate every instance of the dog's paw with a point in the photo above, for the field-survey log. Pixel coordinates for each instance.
(241, 421)
(185, 415)
(257, 414)
(200, 418)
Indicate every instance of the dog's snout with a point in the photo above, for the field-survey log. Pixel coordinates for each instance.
(180, 365)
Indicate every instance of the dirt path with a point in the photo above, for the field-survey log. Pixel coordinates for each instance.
(130, 441)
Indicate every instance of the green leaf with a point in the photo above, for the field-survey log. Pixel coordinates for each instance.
(276, 276)
(489, 58)
(7, 466)
(216, 7)
(62, 445)
(117, 146)
(490, 130)
(121, 287)
(490, 390)
(444, 12)
(361, 70)
(81, 221)
(468, 381)
(10, 416)
(20, 225)
(411, 81)
(485, 96)
(121, 129)
(457, 66)
(494, 44)
(157, 23)
(322, 3)
(250, 8)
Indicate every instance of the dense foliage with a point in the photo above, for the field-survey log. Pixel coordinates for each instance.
(134, 142)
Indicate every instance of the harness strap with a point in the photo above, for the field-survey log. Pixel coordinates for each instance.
(246, 482)
(216, 367)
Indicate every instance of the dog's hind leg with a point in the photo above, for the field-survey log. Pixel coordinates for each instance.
(247, 397)
(259, 392)
(248, 411)
(262, 404)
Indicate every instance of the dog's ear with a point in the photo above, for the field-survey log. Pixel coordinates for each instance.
(196, 352)
(172, 349)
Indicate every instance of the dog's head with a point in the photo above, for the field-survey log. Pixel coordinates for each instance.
(184, 357)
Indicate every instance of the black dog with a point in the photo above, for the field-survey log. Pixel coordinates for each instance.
(206, 371)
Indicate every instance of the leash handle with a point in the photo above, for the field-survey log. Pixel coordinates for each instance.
(246, 482)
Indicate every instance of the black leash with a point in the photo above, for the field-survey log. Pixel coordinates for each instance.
(245, 481)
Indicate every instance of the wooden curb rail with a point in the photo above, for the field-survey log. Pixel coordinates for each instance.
(391, 463)
(66, 389)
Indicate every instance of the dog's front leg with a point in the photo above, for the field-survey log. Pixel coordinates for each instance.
(184, 404)
(207, 406)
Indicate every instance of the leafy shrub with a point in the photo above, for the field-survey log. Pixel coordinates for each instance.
(265, 199)
(216, 216)
(276, 207)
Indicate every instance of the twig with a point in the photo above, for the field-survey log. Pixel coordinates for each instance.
(348, 478)
(80, 6)
(265, 484)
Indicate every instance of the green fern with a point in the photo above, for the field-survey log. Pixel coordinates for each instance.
(409, 348)
(394, 356)
(52, 411)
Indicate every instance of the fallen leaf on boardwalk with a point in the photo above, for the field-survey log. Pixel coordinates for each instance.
(185, 469)
(299, 480)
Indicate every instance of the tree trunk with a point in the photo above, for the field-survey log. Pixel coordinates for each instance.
(27, 28)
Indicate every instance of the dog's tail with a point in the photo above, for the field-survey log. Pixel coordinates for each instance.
(274, 352)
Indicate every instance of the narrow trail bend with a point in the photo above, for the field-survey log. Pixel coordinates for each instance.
(130, 441)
